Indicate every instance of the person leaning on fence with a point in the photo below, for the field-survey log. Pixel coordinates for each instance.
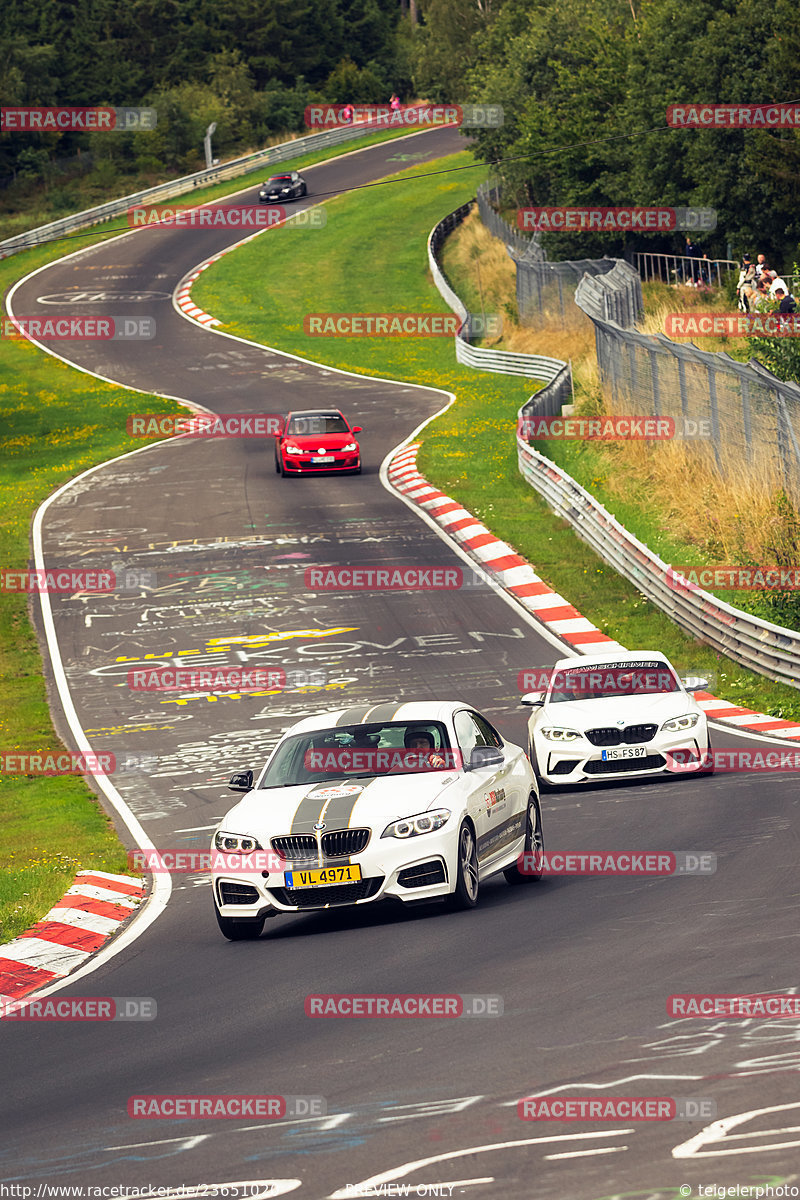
(777, 284)
(744, 286)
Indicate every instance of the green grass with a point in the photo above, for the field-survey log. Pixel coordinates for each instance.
(470, 451)
(55, 422)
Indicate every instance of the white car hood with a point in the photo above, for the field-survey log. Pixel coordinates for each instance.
(341, 804)
(632, 710)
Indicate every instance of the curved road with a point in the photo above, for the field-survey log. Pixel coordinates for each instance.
(584, 966)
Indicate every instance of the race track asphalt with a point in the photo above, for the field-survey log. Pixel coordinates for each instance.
(584, 966)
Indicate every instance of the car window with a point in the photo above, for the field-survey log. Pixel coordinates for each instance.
(492, 737)
(317, 424)
(468, 733)
(613, 679)
(358, 751)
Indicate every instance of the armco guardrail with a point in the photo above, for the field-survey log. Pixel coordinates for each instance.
(768, 649)
(187, 183)
(504, 362)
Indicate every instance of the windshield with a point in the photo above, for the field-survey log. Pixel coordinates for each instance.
(604, 680)
(316, 424)
(357, 751)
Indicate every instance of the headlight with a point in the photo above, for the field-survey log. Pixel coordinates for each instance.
(349, 446)
(687, 721)
(412, 826)
(560, 735)
(235, 842)
(292, 450)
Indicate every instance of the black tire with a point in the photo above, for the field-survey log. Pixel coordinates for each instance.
(467, 886)
(304, 190)
(534, 841)
(277, 465)
(239, 931)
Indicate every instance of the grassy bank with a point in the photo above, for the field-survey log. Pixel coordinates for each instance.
(469, 452)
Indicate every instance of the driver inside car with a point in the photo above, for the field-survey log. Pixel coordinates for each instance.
(422, 739)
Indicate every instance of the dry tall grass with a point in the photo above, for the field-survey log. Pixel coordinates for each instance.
(739, 514)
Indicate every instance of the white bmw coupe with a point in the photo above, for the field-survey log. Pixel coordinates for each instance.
(414, 802)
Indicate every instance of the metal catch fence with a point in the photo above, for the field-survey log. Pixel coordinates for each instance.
(737, 414)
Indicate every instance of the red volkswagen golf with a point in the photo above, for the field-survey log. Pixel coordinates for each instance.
(317, 440)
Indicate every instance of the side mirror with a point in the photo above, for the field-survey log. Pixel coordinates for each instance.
(485, 756)
(532, 699)
(242, 781)
(694, 683)
(356, 429)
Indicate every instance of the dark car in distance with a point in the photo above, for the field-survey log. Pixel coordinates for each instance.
(288, 186)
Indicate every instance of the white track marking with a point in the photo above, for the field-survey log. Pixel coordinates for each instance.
(396, 1172)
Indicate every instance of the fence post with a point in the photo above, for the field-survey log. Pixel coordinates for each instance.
(714, 408)
(654, 374)
(744, 385)
(790, 456)
(684, 393)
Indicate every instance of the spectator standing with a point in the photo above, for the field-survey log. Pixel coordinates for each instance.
(744, 286)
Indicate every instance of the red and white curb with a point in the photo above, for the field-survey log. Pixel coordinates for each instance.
(516, 575)
(89, 912)
(183, 297)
